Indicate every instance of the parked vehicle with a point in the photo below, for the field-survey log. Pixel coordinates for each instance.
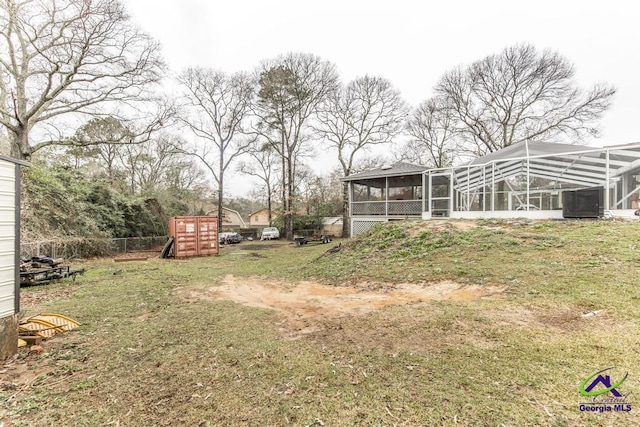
(269, 233)
(229, 238)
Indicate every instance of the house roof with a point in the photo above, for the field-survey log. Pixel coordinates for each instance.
(397, 169)
(237, 214)
(14, 160)
(259, 210)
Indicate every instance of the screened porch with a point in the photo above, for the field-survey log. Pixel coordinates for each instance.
(395, 191)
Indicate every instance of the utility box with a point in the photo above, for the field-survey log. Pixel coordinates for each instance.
(194, 235)
(583, 203)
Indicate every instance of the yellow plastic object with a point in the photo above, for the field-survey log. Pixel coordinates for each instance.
(21, 343)
(46, 325)
(64, 322)
(39, 327)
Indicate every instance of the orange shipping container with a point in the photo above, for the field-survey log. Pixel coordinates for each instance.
(194, 235)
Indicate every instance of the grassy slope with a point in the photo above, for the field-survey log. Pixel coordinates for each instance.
(144, 356)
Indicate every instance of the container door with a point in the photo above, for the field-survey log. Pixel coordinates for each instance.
(186, 243)
(207, 235)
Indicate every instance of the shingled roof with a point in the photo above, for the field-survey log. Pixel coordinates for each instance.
(397, 169)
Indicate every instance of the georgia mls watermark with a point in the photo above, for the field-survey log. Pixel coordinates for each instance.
(601, 394)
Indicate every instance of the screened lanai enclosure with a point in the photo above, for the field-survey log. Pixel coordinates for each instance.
(528, 179)
(538, 180)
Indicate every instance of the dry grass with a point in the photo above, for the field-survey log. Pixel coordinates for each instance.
(163, 343)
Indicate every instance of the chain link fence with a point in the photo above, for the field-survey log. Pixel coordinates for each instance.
(88, 248)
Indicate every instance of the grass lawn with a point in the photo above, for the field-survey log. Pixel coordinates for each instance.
(418, 323)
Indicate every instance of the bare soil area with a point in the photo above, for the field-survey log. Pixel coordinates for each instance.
(306, 306)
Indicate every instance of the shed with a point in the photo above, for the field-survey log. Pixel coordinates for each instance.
(332, 226)
(9, 254)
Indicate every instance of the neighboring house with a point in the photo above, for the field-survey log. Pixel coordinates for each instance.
(527, 179)
(259, 219)
(231, 220)
(9, 254)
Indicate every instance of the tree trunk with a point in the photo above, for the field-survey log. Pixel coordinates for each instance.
(345, 209)
(269, 204)
(284, 189)
(19, 141)
(289, 202)
(220, 189)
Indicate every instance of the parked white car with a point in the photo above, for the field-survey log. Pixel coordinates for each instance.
(269, 233)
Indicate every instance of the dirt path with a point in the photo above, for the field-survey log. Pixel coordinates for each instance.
(306, 305)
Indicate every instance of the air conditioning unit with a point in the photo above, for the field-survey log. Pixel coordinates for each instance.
(583, 203)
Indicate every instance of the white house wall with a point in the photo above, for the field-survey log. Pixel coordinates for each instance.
(7, 238)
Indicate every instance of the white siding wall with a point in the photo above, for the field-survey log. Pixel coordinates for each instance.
(7, 237)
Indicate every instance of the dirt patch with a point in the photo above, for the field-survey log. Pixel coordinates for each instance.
(17, 375)
(440, 226)
(26, 370)
(44, 294)
(306, 306)
(464, 225)
(255, 246)
(137, 255)
(557, 318)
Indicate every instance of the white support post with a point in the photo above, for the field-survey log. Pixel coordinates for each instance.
(386, 196)
(430, 194)
(468, 189)
(350, 198)
(484, 188)
(450, 193)
(607, 205)
(424, 202)
(528, 175)
(493, 186)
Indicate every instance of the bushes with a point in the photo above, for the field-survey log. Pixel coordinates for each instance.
(61, 201)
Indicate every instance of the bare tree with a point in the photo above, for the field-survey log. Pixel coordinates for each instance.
(183, 178)
(519, 95)
(146, 164)
(367, 112)
(262, 165)
(101, 138)
(291, 89)
(59, 57)
(368, 163)
(217, 105)
(433, 135)
(321, 194)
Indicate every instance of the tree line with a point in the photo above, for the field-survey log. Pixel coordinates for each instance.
(79, 78)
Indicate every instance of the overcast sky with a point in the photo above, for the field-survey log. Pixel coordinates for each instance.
(410, 42)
